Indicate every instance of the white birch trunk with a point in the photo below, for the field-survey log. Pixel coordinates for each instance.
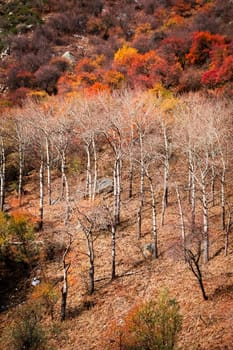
(2, 175)
(193, 189)
(154, 218)
(21, 159)
(182, 224)
(166, 176)
(142, 170)
(113, 228)
(63, 166)
(88, 172)
(117, 190)
(41, 200)
(48, 165)
(67, 198)
(95, 168)
(205, 219)
(90, 247)
(223, 195)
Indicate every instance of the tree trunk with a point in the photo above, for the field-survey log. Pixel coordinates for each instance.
(64, 293)
(205, 220)
(21, 161)
(183, 235)
(2, 176)
(63, 166)
(67, 192)
(48, 165)
(139, 219)
(193, 261)
(154, 218)
(213, 178)
(41, 206)
(142, 171)
(64, 290)
(95, 168)
(117, 190)
(88, 170)
(130, 177)
(223, 196)
(227, 231)
(90, 247)
(166, 175)
(193, 189)
(113, 251)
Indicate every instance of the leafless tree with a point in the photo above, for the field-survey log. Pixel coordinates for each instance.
(88, 219)
(66, 266)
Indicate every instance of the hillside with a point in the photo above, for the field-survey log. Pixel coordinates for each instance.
(55, 48)
(52, 211)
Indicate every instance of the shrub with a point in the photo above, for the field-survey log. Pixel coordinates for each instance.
(47, 77)
(27, 333)
(153, 325)
(190, 80)
(45, 294)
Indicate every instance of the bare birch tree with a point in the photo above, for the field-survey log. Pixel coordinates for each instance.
(66, 265)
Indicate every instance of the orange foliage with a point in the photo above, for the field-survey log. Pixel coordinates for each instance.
(114, 78)
(96, 88)
(144, 28)
(202, 44)
(173, 21)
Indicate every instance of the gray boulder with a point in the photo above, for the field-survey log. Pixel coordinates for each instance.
(148, 250)
(104, 185)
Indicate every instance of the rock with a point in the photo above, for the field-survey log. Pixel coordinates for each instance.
(148, 250)
(104, 185)
(69, 57)
(35, 281)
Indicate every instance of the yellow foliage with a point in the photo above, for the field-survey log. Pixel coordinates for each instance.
(38, 95)
(160, 91)
(125, 55)
(164, 98)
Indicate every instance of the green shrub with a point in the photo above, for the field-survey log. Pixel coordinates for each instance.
(153, 325)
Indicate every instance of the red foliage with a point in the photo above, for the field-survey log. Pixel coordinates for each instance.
(203, 43)
(219, 75)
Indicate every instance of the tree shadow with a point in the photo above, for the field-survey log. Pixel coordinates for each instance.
(225, 290)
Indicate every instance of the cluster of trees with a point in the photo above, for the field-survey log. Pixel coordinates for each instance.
(174, 43)
(156, 145)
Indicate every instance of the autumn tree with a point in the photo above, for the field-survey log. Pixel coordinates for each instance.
(88, 220)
